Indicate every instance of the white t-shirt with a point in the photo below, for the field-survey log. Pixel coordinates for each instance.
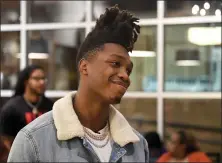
(104, 152)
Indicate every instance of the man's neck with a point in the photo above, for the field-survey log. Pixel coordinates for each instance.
(91, 112)
(31, 97)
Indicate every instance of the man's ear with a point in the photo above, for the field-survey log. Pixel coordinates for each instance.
(83, 66)
(25, 83)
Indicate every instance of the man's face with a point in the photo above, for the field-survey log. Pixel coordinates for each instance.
(37, 82)
(108, 73)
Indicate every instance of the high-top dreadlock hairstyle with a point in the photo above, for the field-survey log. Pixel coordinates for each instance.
(114, 26)
(23, 76)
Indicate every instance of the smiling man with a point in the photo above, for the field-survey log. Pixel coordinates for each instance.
(84, 126)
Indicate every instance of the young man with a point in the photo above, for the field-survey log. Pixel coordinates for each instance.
(84, 126)
(27, 103)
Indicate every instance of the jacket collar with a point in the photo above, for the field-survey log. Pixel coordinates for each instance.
(68, 125)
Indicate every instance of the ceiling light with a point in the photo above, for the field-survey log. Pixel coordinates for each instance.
(202, 12)
(12, 16)
(187, 57)
(188, 63)
(36, 55)
(195, 9)
(206, 5)
(218, 12)
(137, 53)
(204, 35)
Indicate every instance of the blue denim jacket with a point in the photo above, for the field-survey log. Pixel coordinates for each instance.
(58, 136)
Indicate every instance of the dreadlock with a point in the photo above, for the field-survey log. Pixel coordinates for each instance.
(114, 26)
(23, 76)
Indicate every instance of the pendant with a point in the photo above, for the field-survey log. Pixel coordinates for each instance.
(35, 111)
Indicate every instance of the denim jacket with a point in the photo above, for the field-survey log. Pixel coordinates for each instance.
(58, 136)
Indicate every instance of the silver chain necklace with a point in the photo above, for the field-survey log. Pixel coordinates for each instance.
(34, 107)
(97, 145)
(88, 135)
(97, 137)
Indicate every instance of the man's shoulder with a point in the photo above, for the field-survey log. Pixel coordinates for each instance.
(141, 137)
(44, 123)
(138, 134)
(142, 145)
(12, 102)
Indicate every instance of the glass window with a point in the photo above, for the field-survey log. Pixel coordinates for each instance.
(143, 77)
(10, 12)
(140, 112)
(141, 8)
(10, 62)
(56, 51)
(193, 57)
(55, 11)
(192, 8)
(200, 117)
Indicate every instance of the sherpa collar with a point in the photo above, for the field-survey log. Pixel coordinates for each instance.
(68, 125)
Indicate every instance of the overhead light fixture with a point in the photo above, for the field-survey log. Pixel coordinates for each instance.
(37, 46)
(138, 53)
(38, 55)
(195, 9)
(204, 35)
(35, 55)
(188, 63)
(206, 5)
(187, 57)
(202, 12)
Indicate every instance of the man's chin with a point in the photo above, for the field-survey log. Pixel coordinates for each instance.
(115, 100)
(40, 93)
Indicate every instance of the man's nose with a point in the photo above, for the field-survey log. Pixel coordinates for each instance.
(124, 76)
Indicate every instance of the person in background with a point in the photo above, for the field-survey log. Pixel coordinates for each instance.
(3, 152)
(84, 126)
(4, 83)
(156, 148)
(27, 103)
(182, 147)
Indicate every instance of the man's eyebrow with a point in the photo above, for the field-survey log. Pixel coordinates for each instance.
(119, 56)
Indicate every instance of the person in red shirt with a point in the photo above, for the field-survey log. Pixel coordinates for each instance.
(182, 147)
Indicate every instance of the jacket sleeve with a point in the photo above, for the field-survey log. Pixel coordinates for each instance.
(23, 149)
(146, 151)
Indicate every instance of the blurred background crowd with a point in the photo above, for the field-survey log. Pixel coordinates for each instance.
(176, 80)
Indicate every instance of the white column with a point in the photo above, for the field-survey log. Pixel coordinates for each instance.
(23, 35)
(89, 14)
(160, 68)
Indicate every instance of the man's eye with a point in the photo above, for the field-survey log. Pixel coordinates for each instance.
(115, 64)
